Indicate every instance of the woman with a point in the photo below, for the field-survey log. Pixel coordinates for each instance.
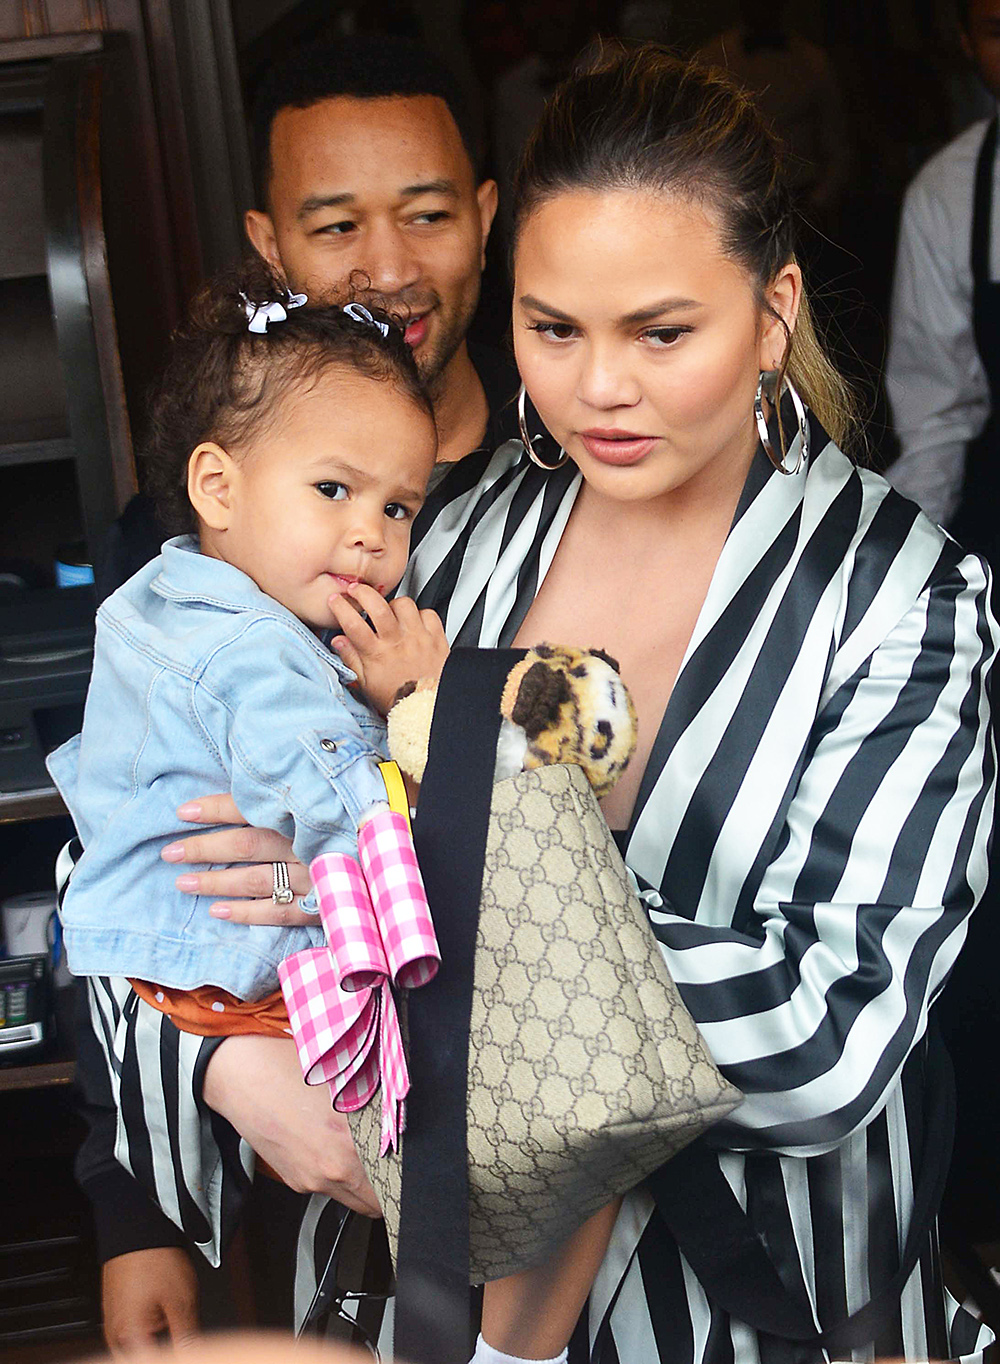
(808, 808)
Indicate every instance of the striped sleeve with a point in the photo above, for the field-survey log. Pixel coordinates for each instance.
(813, 1008)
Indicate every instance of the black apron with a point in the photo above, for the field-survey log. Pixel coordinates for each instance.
(969, 1009)
(977, 522)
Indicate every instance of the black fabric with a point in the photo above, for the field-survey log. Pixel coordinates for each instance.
(977, 521)
(719, 1242)
(432, 1324)
(130, 543)
(969, 1008)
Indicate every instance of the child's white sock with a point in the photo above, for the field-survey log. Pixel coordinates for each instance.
(485, 1354)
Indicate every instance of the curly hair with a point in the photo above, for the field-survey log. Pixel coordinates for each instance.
(224, 383)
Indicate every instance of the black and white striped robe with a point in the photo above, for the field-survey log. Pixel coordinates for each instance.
(811, 835)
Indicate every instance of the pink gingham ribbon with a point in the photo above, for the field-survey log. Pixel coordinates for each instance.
(340, 1004)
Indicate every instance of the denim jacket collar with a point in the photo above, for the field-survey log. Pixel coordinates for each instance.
(188, 575)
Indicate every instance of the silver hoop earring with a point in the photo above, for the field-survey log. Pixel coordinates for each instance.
(800, 416)
(529, 441)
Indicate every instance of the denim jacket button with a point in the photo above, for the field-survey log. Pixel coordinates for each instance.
(328, 745)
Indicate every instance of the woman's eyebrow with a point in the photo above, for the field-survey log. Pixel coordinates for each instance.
(655, 310)
(640, 315)
(529, 301)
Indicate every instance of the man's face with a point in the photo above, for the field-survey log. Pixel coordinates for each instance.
(981, 41)
(379, 195)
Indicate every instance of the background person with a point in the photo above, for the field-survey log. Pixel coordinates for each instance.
(943, 382)
(808, 809)
(943, 368)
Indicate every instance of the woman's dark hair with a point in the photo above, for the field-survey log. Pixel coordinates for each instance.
(641, 118)
(223, 382)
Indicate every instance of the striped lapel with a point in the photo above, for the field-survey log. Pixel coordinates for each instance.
(817, 568)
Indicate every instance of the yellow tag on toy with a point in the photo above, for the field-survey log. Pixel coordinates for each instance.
(395, 791)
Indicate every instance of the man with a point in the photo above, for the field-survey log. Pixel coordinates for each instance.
(944, 356)
(943, 382)
(375, 188)
(368, 186)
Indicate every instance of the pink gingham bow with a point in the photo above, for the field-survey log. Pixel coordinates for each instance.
(339, 998)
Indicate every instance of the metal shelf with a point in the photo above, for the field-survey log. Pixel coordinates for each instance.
(42, 803)
(36, 451)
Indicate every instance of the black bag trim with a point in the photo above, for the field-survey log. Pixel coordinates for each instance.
(432, 1324)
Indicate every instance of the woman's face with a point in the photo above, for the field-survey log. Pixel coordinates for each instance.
(640, 342)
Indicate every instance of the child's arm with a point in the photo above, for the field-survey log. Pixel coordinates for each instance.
(531, 1315)
(398, 642)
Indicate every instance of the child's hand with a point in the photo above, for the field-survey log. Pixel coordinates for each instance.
(398, 643)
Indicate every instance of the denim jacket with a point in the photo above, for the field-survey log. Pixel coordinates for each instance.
(203, 683)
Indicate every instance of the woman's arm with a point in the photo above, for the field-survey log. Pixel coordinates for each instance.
(195, 1161)
(862, 911)
(256, 1084)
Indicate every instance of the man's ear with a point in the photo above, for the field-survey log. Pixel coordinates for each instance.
(784, 294)
(211, 477)
(260, 230)
(486, 196)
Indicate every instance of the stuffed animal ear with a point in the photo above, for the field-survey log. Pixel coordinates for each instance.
(611, 662)
(542, 691)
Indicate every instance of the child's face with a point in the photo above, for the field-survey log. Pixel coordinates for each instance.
(326, 496)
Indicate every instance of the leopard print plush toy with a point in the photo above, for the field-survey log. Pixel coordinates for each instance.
(559, 705)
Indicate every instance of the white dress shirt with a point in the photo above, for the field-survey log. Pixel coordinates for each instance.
(935, 380)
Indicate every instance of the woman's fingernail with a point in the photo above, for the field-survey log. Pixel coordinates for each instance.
(220, 912)
(173, 852)
(190, 811)
(186, 882)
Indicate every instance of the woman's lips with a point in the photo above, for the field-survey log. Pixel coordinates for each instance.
(617, 447)
(416, 331)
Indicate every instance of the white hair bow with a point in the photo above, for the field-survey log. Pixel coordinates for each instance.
(361, 314)
(260, 314)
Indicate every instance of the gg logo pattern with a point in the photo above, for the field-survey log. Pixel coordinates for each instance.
(586, 1072)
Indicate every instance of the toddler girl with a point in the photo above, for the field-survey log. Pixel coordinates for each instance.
(292, 446)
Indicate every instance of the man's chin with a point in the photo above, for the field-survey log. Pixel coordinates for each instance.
(432, 360)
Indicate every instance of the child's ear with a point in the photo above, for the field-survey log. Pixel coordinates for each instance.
(211, 477)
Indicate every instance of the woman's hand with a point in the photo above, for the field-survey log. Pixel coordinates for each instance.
(398, 642)
(254, 882)
(255, 1082)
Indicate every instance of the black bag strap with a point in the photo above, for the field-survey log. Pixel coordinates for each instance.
(432, 1323)
(717, 1238)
